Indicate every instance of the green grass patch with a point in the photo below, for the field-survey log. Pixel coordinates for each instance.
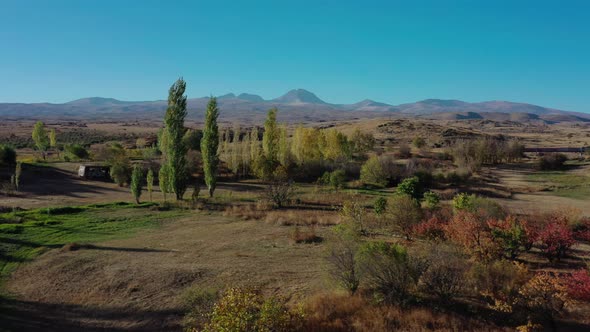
(562, 183)
(39, 230)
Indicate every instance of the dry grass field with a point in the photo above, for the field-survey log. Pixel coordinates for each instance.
(125, 268)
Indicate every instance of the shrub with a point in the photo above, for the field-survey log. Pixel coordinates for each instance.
(280, 190)
(431, 200)
(337, 179)
(472, 233)
(510, 235)
(199, 303)
(247, 310)
(499, 283)
(343, 259)
(556, 238)
(483, 207)
(305, 236)
(419, 142)
(120, 171)
(410, 187)
(372, 173)
(403, 213)
(390, 271)
(404, 151)
(380, 205)
(445, 274)
(578, 285)
(353, 215)
(75, 151)
(433, 229)
(544, 294)
(7, 156)
(551, 162)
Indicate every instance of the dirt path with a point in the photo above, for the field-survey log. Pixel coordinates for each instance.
(137, 283)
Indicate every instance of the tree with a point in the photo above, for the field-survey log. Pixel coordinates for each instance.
(284, 151)
(40, 138)
(236, 152)
(175, 150)
(136, 182)
(120, 170)
(209, 145)
(361, 143)
(52, 138)
(164, 180)
(270, 139)
(372, 173)
(410, 187)
(404, 213)
(150, 182)
(7, 156)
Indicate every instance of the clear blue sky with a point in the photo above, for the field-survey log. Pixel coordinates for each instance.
(390, 51)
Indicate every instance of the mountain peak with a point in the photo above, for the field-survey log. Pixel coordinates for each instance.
(95, 101)
(299, 96)
(250, 97)
(227, 96)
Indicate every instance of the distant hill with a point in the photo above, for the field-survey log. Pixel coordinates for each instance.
(296, 105)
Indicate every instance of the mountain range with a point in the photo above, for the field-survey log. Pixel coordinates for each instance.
(295, 105)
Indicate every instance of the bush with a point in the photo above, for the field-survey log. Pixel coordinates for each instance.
(445, 274)
(510, 235)
(305, 236)
(120, 171)
(372, 173)
(433, 229)
(75, 151)
(473, 234)
(403, 213)
(404, 151)
(247, 310)
(199, 304)
(335, 179)
(419, 142)
(482, 207)
(499, 282)
(343, 259)
(410, 187)
(431, 200)
(7, 156)
(353, 215)
(544, 294)
(556, 238)
(578, 285)
(390, 271)
(380, 205)
(552, 162)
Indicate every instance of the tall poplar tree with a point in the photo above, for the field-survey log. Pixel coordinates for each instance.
(209, 145)
(40, 138)
(175, 149)
(270, 139)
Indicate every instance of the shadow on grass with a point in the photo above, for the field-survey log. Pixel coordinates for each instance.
(18, 315)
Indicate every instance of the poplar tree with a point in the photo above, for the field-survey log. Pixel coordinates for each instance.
(53, 140)
(136, 182)
(236, 154)
(270, 140)
(175, 149)
(284, 153)
(163, 178)
(254, 145)
(40, 138)
(209, 145)
(150, 182)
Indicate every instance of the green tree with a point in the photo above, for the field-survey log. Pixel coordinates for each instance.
(120, 170)
(136, 182)
(40, 138)
(209, 145)
(284, 151)
(164, 182)
(174, 130)
(150, 182)
(372, 173)
(410, 187)
(270, 139)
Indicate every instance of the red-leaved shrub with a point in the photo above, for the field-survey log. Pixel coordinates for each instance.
(432, 229)
(556, 238)
(578, 285)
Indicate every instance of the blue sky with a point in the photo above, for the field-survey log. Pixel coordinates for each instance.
(389, 51)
